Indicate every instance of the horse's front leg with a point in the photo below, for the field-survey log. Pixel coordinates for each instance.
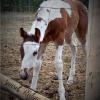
(37, 66)
(36, 70)
(59, 68)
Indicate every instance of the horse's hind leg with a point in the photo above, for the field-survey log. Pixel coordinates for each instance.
(81, 32)
(71, 78)
(81, 35)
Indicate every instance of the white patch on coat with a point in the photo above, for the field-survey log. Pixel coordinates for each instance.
(58, 56)
(43, 13)
(54, 13)
(29, 60)
(75, 40)
(57, 4)
(41, 26)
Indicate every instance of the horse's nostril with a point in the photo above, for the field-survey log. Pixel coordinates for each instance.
(34, 53)
(23, 75)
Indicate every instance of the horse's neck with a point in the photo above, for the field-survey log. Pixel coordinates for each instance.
(48, 16)
(41, 26)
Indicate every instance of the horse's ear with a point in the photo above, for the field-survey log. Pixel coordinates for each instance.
(37, 34)
(23, 33)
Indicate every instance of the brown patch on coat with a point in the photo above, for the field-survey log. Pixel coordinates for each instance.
(62, 28)
(22, 51)
(37, 35)
(80, 13)
(55, 31)
(82, 27)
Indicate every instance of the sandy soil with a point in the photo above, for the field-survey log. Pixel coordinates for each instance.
(10, 59)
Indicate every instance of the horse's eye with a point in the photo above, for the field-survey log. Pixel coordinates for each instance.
(39, 19)
(34, 53)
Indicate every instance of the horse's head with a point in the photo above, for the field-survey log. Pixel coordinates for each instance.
(31, 39)
(28, 50)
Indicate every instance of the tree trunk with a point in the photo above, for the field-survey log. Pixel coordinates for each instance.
(92, 90)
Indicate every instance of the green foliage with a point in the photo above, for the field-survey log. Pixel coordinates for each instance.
(86, 2)
(24, 5)
(36, 3)
(20, 5)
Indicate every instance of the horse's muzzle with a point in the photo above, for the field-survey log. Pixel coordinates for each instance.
(23, 74)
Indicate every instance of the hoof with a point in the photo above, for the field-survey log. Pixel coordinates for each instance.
(71, 80)
(62, 98)
(55, 77)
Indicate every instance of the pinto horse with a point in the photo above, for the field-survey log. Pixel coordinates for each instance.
(56, 22)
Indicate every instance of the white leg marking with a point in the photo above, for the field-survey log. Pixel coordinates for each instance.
(35, 74)
(75, 40)
(73, 62)
(59, 68)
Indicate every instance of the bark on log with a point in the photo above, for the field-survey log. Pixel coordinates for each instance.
(18, 90)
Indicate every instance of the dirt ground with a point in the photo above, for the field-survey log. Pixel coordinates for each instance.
(10, 59)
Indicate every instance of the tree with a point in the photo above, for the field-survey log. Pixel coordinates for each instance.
(92, 90)
(20, 5)
(85, 2)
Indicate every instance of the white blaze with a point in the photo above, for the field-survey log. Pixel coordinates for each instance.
(29, 60)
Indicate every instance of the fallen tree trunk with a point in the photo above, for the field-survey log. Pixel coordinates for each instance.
(18, 90)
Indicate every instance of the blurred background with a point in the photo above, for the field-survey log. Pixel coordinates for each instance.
(24, 5)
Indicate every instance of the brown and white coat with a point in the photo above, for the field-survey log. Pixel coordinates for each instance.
(57, 24)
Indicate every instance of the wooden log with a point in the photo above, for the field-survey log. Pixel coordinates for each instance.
(18, 90)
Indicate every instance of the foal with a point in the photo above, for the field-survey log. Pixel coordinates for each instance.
(55, 23)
